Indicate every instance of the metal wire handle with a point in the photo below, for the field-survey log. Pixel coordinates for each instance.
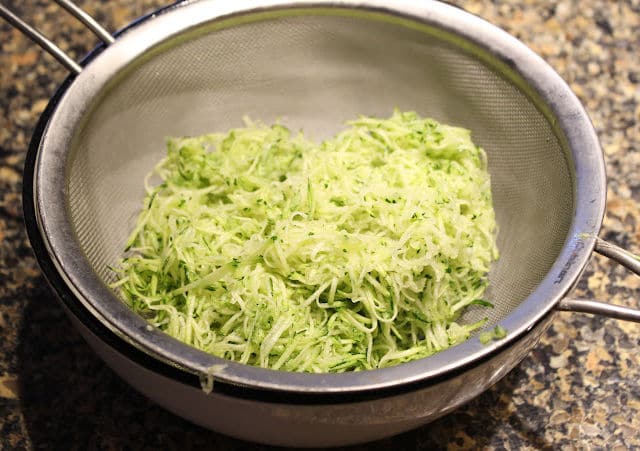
(626, 259)
(49, 46)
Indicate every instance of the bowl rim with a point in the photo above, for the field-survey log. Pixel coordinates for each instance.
(531, 73)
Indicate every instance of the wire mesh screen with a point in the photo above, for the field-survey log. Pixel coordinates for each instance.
(313, 73)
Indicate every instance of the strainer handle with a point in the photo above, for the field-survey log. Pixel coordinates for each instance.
(625, 258)
(49, 46)
(619, 255)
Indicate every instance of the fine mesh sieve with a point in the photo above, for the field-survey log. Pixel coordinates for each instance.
(202, 66)
(333, 69)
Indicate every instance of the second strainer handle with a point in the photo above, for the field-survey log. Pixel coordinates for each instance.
(49, 46)
(625, 258)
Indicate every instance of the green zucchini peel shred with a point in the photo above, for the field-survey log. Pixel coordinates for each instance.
(497, 333)
(263, 247)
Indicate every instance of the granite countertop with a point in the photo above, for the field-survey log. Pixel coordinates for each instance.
(580, 387)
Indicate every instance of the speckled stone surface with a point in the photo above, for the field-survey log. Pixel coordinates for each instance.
(579, 388)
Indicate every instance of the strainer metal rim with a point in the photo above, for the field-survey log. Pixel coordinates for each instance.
(533, 75)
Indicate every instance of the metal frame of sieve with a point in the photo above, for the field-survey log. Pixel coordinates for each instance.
(497, 49)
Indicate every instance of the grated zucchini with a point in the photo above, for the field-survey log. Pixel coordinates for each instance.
(263, 247)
